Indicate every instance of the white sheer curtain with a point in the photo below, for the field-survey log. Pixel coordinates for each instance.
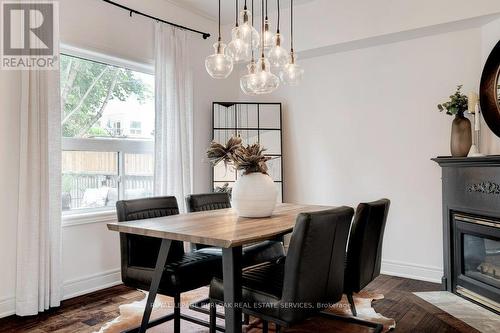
(174, 114)
(38, 284)
(38, 264)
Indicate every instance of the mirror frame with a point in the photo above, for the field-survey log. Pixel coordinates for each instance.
(488, 93)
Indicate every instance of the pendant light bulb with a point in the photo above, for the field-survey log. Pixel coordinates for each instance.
(219, 65)
(237, 48)
(248, 81)
(247, 32)
(266, 82)
(278, 56)
(292, 73)
(268, 35)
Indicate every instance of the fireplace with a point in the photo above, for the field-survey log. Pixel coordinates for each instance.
(471, 228)
(476, 244)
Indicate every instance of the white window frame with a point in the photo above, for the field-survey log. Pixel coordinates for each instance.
(120, 146)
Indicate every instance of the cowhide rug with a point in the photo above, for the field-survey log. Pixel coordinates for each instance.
(131, 314)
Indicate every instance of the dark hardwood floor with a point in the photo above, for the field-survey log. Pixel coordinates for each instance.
(88, 313)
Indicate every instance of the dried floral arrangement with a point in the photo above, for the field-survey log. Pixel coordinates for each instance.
(249, 159)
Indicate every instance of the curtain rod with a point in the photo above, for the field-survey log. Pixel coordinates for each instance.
(205, 35)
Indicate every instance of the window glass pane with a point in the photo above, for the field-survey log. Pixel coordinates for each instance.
(222, 136)
(224, 116)
(108, 120)
(89, 179)
(223, 173)
(102, 100)
(279, 198)
(271, 141)
(249, 137)
(247, 115)
(269, 116)
(274, 168)
(223, 186)
(139, 176)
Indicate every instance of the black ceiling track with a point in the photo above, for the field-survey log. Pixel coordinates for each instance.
(132, 11)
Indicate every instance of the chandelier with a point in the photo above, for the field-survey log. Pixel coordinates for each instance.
(274, 65)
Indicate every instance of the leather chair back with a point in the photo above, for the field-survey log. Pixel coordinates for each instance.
(364, 253)
(204, 202)
(142, 251)
(207, 201)
(314, 267)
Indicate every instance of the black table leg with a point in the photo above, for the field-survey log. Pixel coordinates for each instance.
(153, 289)
(231, 262)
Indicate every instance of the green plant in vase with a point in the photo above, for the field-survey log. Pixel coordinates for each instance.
(461, 129)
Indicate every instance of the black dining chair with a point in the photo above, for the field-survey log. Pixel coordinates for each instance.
(183, 271)
(364, 252)
(310, 278)
(252, 254)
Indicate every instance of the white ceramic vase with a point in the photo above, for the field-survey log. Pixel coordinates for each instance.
(254, 195)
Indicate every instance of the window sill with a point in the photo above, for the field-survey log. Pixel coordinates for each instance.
(74, 219)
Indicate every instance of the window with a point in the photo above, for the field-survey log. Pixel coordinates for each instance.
(135, 128)
(116, 128)
(108, 120)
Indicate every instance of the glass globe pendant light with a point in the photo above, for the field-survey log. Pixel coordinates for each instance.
(237, 48)
(292, 73)
(278, 56)
(219, 65)
(265, 81)
(247, 32)
(247, 82)
(268, 35)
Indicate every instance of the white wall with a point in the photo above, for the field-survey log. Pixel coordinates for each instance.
(364, 125)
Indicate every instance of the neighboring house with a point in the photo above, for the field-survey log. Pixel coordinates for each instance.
(131, 119)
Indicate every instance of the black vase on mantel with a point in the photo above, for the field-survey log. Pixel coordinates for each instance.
(461, 136)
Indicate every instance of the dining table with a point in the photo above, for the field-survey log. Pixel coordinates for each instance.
(220, 228)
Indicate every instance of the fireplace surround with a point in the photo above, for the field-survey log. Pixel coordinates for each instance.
(471, 228)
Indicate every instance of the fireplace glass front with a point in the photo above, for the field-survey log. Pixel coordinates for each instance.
(477, 259)
(482, 259)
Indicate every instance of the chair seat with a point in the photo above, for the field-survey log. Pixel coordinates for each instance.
(262, 284)
(253, 254)
(190, 271)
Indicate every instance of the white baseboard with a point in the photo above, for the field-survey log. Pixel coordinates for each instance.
(91, 283)
(412, 271)
(7, 306)
(72, 288)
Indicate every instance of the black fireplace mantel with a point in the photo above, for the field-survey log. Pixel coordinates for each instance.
(470, 186)
(454, 162)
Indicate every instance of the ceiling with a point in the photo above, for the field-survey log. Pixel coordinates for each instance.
(209, 8)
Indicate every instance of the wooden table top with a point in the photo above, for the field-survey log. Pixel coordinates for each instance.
(221, 228)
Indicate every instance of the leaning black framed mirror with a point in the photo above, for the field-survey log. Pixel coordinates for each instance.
(490, 90)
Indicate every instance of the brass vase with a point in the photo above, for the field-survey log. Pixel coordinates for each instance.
(461, 136)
